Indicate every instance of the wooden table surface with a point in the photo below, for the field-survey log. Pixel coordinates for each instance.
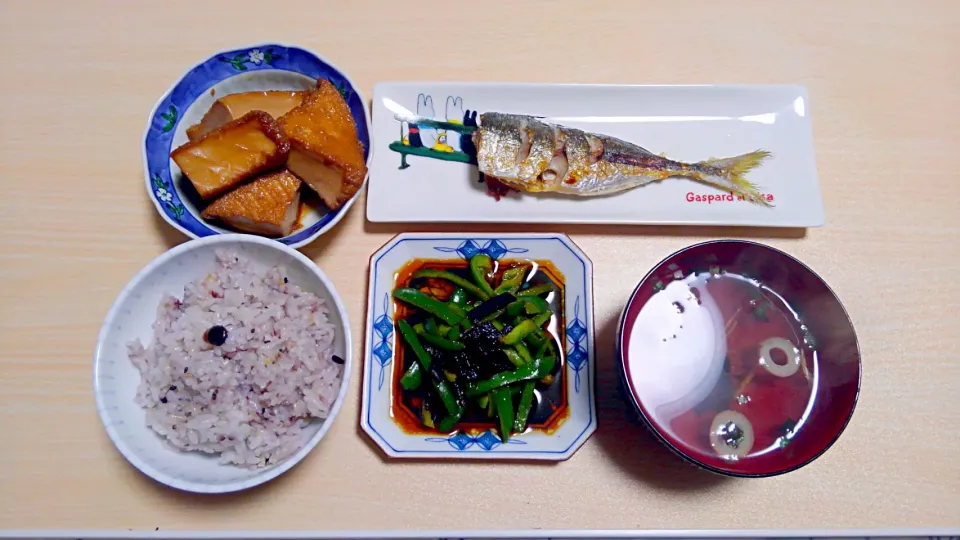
(79, 79)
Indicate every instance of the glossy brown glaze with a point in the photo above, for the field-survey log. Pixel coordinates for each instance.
(232, 153)
(326, 152)
(268, 205)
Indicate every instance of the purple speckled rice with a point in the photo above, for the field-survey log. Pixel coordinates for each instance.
(250, 398)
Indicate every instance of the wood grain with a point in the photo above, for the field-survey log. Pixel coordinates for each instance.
(80, 77)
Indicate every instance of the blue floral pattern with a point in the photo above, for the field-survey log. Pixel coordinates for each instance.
(165, 195)
(495, 249)
(254, 56)
(577, 353)
(382, 330)
(168, 115)
(461, 441)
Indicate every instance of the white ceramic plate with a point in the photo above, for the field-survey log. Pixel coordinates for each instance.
(686, 123)
(132, 317)
(377, 406)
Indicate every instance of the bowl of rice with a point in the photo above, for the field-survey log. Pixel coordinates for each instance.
(222, 363)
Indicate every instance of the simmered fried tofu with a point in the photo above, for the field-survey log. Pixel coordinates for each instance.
(324, 149)
(232, 153)
(268, 205)
(230, 107)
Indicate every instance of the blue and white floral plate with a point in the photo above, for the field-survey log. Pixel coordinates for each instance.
(268, 66)
(377, 402)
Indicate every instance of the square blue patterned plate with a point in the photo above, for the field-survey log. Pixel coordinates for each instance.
(396, 428)
(267, 66)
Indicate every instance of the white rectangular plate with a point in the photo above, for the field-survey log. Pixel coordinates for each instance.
(685, 123)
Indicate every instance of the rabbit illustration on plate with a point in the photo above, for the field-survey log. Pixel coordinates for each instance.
(466, 139)
(427, 135)
(454, 115)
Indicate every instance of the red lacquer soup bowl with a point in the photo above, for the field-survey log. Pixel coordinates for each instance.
(739, 358)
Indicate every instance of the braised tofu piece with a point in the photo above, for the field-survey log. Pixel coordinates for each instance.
(232, 153)
(325, 151)
(229, 108)
(268, 205)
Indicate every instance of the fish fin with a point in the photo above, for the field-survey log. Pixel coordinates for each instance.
(728, 175)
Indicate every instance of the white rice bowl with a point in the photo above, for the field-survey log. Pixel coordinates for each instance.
(249, 397)
(217, 417)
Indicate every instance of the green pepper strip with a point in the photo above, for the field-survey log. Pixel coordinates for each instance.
(526, 394)
(431, 326)
(446, 425)
(516, 308)
(410, 335)
(454, 333)
(537, 290)
(443, 389)
(449, 314)
(493, 316)
(538, 337)
(456, 280)
(549, 348)
(449, 398)
(504, 403)
(519, 332)
(537, 369)
(480, 267)
(459, 297)
(512, 280)
(523, 409)
(514, 357)
(536, 305)
(443, 343)
(531, 305)
(524, 352)
(413, 378)
(483, 400)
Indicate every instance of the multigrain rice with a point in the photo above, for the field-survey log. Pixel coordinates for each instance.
(250, 398)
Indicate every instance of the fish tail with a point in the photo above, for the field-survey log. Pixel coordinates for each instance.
(728, 174)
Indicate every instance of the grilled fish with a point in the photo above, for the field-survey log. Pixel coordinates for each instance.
(533, 156)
